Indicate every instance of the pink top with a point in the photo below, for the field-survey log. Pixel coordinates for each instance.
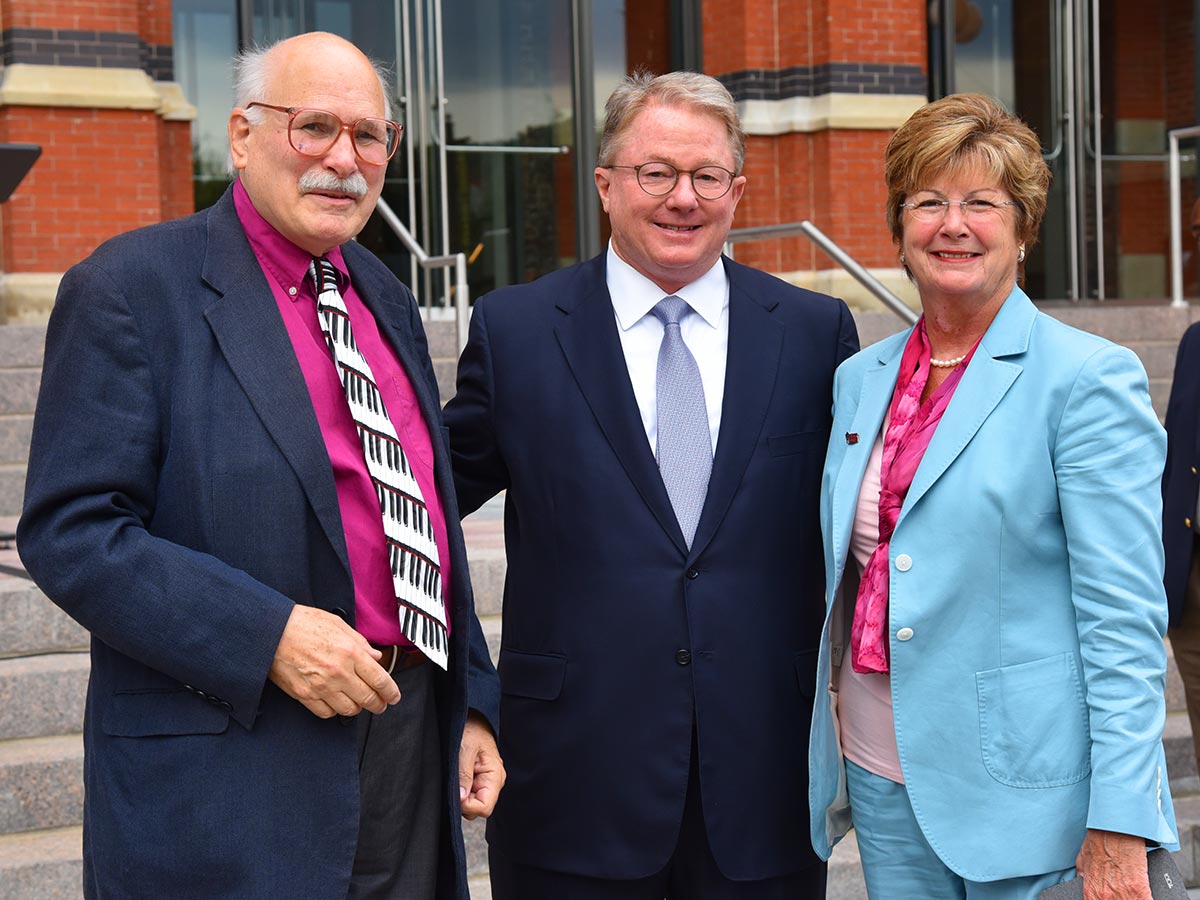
(911, 424)
(864, 707)
(286, 268)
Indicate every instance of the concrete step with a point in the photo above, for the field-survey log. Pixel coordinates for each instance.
(1158, 357)
(18, 389)
(29, 622)
(42, 865)
(442, 336)
(15, 431)
(12, 488)
(43, 695)
(1179, 749)
(488, 566)
(845, 880)
(41, 783)
(1151, 331)
(21, 346)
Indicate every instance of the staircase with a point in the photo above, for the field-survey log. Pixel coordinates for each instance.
(44, 664)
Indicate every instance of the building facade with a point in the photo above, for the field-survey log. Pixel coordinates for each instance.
(501, 104)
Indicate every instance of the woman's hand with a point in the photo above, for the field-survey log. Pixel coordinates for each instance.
(1113, 866)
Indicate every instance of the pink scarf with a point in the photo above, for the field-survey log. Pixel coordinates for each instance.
(910, 428)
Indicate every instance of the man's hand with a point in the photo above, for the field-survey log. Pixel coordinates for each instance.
(1113, 866)
(480, 769)
(329, 667)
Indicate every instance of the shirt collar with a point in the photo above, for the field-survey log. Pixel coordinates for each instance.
(280, 259)
(634, 295)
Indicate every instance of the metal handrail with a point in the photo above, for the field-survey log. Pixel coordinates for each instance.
(836, 253)
(1173, 137)
(462, 294)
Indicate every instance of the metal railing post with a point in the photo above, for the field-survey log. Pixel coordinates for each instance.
(462, 293)
(836, 253)
(1174, 175)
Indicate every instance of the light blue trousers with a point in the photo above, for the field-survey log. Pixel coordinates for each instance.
(898, 862)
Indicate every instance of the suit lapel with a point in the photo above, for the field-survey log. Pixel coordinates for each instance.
(589, 341)
(874, 397)
(752, 361)
(251, 335)
(986, 381)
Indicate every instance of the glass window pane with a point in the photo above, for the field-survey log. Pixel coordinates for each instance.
(205, 41)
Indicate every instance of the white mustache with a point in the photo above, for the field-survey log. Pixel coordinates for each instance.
(355, 185)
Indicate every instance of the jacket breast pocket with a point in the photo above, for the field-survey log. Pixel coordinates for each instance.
(1033, 723)
(162, 713)
(538, 676)
(795, 442)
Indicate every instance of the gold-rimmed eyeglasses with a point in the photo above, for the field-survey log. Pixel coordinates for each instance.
(311, 132)
(932, 210)
(658, 179)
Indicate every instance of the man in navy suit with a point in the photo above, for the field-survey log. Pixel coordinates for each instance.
(660, 629)
(1181, 516)
(260, 721)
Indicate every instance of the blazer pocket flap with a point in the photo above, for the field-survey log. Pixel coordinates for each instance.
(153, 713)
(806, 672)
(538, 676)
(796, 442)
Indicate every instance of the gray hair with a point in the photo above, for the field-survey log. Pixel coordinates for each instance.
(702, 94)
(252, 78)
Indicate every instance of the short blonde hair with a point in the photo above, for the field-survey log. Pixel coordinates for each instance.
(701, 94)
(960, 131)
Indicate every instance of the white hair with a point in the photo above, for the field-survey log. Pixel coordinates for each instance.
(252, 78)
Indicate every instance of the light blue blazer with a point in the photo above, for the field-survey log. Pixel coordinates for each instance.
(1027, 610)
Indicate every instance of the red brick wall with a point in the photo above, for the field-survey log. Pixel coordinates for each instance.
(154, 20)
(1136, 84)
(175, 169)
(102, 171)
(98, 15)
(835, 177)
(85, 188)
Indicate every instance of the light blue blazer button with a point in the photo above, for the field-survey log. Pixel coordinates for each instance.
(904, 634)
(903, 562)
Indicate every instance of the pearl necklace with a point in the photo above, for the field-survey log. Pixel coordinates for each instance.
(947, 363)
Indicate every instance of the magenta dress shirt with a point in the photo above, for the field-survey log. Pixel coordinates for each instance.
(286, 267)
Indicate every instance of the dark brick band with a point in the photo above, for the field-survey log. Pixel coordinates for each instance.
(827, 78)
(95, 49)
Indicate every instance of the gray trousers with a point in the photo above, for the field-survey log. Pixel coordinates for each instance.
(401, 786)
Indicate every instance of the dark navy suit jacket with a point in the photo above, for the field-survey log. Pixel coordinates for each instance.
(1180, 482)
(616, 637)
(179, 500)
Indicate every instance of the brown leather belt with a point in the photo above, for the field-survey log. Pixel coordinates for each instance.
(397, 659)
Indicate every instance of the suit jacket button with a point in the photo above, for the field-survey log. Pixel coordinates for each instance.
(904, 634)
(1187, 523)
(683, 657)
(1193, 470)
(692, 573)
(903, 562)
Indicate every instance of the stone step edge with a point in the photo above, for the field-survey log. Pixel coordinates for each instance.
(48, 845)
(36, 750)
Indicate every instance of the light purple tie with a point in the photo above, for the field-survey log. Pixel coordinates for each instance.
(684, 446)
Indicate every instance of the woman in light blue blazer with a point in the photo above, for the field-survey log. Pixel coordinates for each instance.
(990, 680)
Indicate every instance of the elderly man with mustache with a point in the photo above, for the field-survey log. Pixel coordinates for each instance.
(239, 483)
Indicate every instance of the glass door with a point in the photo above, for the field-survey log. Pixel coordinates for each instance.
(1056, 63)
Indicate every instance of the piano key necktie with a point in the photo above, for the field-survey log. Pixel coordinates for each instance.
(684, 445)
(412, 551)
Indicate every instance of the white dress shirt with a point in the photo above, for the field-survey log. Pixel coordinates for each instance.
(705, 330)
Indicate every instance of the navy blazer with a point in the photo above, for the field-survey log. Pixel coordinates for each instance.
(616, 637)
(1180, 485)
(179, 500)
